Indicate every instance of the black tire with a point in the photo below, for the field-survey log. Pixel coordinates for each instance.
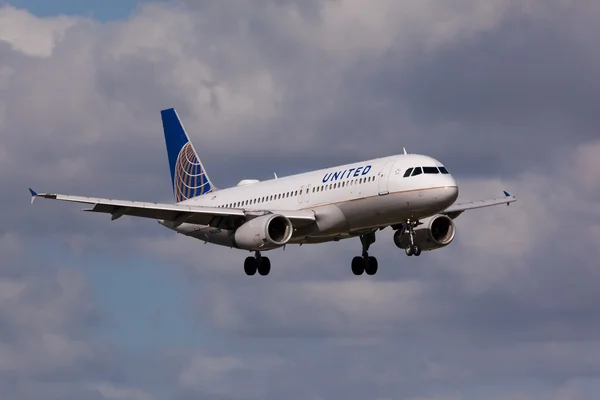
(358, 265)
(409, 251)
(250, 265)
(371, 266)
(265, 266)
(417, 251)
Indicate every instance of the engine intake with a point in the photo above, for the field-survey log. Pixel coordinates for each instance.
(435, 232)
(264, 232)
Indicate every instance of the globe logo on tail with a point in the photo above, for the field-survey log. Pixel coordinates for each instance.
(189, 180)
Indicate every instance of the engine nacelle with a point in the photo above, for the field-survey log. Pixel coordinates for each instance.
(264, 232)
(435, 233)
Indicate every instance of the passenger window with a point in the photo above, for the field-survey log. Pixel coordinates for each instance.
(443, 170)
(417, 171)
(431, 170)
(408, 171)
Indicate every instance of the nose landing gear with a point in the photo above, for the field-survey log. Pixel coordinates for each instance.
(412, 248)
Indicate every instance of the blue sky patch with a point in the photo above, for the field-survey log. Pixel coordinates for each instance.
(102, 10)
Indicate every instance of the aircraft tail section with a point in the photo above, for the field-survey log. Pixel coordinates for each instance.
(188, 176)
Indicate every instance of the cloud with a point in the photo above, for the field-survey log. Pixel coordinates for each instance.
(504, 93)
(30, 35)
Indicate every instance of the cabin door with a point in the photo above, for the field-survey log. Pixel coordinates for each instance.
(383, 178)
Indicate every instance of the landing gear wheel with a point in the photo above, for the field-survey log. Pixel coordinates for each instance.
(358, 265)
(250, 265)
(264, 266)
(365, 263)
(413, 250)
(371, 265)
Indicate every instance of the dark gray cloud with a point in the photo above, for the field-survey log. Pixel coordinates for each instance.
(504, 93)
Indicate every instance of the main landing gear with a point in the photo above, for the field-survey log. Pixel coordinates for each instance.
(257, 263)
(412, 249)
(365, 263)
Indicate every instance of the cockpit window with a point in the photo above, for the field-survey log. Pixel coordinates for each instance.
(407, 173)
(430, 170)
(417, 171)
(443, 170)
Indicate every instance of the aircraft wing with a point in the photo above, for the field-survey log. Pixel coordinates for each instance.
(458, 208)
(225, 218)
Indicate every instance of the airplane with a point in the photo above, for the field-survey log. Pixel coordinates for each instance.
(413, 194)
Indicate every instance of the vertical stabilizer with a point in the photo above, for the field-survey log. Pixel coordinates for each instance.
(188, 176)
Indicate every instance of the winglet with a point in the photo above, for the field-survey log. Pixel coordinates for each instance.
(404, 149)
(33, 195)
(507, 195)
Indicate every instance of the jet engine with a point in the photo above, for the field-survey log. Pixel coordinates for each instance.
(264, 233)
(435, 232)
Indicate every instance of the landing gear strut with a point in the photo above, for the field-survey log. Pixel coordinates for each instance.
(257, 263)
(365, 263)
(412, 248)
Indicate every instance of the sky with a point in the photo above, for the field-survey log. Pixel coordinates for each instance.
(506, 94)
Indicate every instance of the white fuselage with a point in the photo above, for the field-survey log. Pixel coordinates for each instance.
(347, 200)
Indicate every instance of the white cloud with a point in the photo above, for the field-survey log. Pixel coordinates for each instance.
(31, 35)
